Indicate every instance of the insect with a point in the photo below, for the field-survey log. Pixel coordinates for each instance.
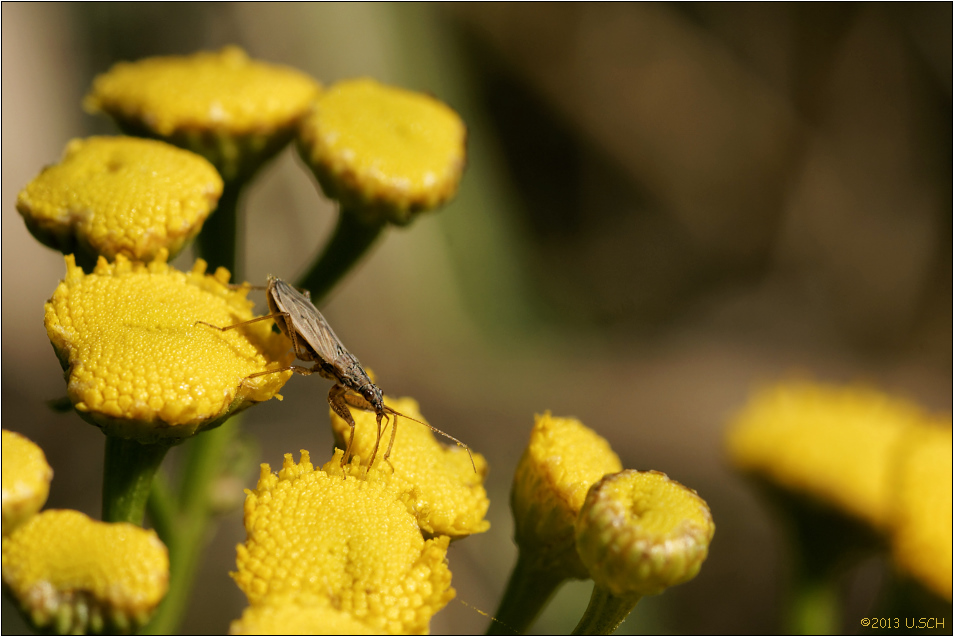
(313, 340)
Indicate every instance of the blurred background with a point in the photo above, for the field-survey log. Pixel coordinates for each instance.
(665, 207)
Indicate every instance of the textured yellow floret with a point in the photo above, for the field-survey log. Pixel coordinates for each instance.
(437, 482)
(563, 460)
(640, 532)
(921, 537)
(286, 616)
(26, 479)
(378, 147)
(316, 533)
(222, 90)
(77, 575)
(235, 111)
(137, 363)
(837, 444)
(120, 195)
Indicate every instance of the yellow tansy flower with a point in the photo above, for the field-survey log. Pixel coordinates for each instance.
(922, 511)
(385, 153)
(318, 533)
(836, 444)
(139, 366)
(74, 575)
(235, 111)
(437, 482)
(120, 195)
(26, 479)
(562, 461)
(640, 532)
(286, 616)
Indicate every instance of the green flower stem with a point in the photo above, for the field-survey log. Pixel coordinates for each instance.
(218, 241)
(813, 608)
(823, 543)
(161, 506)
(350, 241)
(605, 612)
(128, 471)
(186, 522)
(531, 586)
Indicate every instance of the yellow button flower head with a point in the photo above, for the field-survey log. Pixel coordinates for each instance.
(235, 111)
(284, 615)
(314, 533)
(74, 575)
(563, 460)
(26, 479)
(836, 444)
(120, 195)
(437, 483)
(640, 532)
(139, 366)
(384, 152)
(921, 515)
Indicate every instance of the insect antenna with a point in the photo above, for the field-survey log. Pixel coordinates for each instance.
(394, 412)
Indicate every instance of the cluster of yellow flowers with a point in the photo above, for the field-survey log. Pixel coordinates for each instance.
(142, 363)
(139, 366)
(342, 548)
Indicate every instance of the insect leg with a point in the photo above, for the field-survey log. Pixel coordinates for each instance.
(377, 442)
(387, 454)
(304, 371)
(359, 402)
(340, 407)
(254, 320)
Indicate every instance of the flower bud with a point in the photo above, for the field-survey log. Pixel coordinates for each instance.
(26, 479)
(384, 153)
(74, 575)
(640, 532)
(138, 363)
(234, 111)
(343, 535)
(563, 459)
(120, 195)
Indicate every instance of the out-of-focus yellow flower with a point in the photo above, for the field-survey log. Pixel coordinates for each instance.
(436, 482)
(233, 110)
(319, 533)
(837, 444)
(385, 153)
(640, 532)
(285, 615)
(879, 458)
(922, 512)
(74, 575)
(120, 195)
(563, 460)
(26, 479)
(139, 366)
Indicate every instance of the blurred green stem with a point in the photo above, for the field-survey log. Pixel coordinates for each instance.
(530, 587)
(128, 471)
(183, 521)
(605, 612)
(218, 241)
(813, 608)
(350, 241)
